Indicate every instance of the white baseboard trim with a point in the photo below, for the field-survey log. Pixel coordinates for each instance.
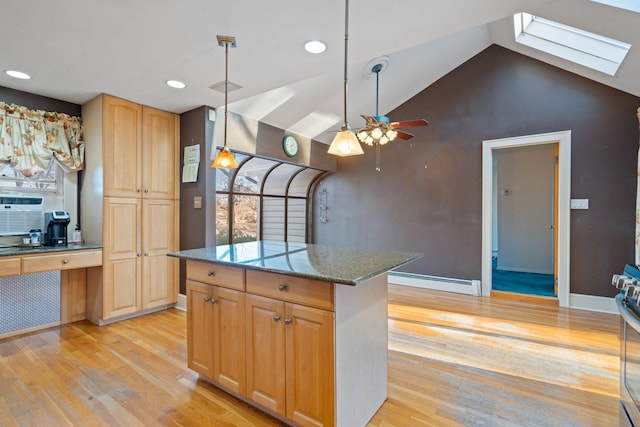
(182, 302)
(472, 287)
(593, 303)
(461, 286)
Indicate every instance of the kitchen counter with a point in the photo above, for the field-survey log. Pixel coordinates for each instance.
(343, 265)
(38, 250)
(298, 330)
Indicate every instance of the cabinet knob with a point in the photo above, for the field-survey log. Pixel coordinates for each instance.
(287, 321)
(276, 317)
(214, 300)
(65, 261)
(138, 254)
(282, 287)
(137, 190)
(146, 190)
(146, 254)
(206, 299)
(211, 273)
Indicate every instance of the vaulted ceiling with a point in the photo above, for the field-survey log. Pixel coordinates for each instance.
(76, 49)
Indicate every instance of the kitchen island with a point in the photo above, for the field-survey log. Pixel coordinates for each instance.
(298, 330)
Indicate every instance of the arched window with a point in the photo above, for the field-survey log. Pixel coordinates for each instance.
(263, 199)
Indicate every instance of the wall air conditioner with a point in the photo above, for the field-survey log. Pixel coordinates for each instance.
(19, 215)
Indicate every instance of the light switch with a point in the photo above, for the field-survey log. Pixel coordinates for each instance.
(579, 203)
(197, 202)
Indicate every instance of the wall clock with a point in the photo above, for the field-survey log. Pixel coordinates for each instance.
(290, 145)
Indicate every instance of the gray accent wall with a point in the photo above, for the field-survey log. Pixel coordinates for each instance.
(427, 197)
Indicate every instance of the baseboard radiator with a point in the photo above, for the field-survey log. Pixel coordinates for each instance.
(461, 286)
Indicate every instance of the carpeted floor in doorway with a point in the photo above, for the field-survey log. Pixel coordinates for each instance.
(523, 283)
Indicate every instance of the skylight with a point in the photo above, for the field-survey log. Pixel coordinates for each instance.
(632, 5)
(573, 44)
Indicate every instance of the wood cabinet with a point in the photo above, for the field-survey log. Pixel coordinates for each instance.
(132, 172)
(9, 266)
(258, 344)
(298, 341)
(215, 340)
(139, 145)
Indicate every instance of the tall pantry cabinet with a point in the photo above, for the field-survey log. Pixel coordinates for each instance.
(130, 205)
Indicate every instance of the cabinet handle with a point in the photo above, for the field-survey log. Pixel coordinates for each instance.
(211, 273)
(65, 261)
(287, 321)
(276, 317)
(206, 299)
(282, 287)
(214, 300)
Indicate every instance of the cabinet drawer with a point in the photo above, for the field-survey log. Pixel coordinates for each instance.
(215, 274)
(314, 293)
(9, 266)
(61, 261)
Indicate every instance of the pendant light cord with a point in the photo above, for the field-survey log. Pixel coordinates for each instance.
(346, 50)
(226, 88)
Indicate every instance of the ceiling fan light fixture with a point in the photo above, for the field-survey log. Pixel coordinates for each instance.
(225, 159)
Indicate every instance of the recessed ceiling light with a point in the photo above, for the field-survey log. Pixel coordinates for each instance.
(176, 84)
(17, 74)
(315, 46)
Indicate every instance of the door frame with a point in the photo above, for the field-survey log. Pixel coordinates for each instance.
(563, 139)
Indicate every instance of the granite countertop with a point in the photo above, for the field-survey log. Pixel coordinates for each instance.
(34, 250)
(336, 264)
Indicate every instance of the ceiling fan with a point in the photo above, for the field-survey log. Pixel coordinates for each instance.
(379, 129)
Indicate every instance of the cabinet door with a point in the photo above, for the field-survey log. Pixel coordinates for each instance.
(159, 272)
(200, 327)
(121, 257)
(310, 365)
(265, 352)
(122, 147)
(229, 339)
(159, 154)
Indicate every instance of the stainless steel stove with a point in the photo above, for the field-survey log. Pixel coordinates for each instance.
(628, 306)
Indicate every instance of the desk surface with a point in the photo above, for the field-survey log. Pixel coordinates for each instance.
(38, 250)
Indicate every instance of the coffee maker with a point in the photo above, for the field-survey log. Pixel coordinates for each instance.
(57, 222)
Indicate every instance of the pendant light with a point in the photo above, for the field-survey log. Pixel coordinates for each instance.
(345, 142)
(225, 159)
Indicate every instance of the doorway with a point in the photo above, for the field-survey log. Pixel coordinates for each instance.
(562, 140)
(524, 218)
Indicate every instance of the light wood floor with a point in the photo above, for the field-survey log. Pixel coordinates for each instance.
(453, 361)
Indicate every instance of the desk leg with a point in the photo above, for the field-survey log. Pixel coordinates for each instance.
(73, 295)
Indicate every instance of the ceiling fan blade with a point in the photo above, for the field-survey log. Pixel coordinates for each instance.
(370, 120)
(403, 135)
(410, 123)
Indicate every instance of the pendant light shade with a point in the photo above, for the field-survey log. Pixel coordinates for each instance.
(345, 142)
(225, 159)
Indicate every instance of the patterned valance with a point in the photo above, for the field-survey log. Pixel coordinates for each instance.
(31, 139)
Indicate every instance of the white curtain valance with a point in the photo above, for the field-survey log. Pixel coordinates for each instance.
(31, 139)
